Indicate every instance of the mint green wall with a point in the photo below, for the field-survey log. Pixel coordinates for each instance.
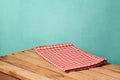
(92, 25)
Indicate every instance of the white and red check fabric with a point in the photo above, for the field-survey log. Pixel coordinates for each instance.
(67, 57)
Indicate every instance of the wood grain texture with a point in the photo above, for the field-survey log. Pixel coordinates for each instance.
(27, 65)
(4, 76)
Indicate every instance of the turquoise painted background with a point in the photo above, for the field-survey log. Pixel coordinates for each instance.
(92, 25)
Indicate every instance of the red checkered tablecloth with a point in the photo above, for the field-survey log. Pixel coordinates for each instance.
(67, 57)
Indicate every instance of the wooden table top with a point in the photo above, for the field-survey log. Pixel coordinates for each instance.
(27, 65)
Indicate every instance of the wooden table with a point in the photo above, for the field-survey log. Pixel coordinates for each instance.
(27, 65)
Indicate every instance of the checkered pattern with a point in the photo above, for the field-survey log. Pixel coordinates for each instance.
(68, 58)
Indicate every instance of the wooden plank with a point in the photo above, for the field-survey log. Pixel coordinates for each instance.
(97, 75)
(19, 72)
(4, 76)
(35, 68)
(107, 72)
(112, 67)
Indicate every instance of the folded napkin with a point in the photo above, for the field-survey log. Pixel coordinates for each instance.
(67, 57)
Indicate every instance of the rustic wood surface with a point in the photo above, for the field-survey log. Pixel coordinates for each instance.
(4, 76)
(27, 65)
